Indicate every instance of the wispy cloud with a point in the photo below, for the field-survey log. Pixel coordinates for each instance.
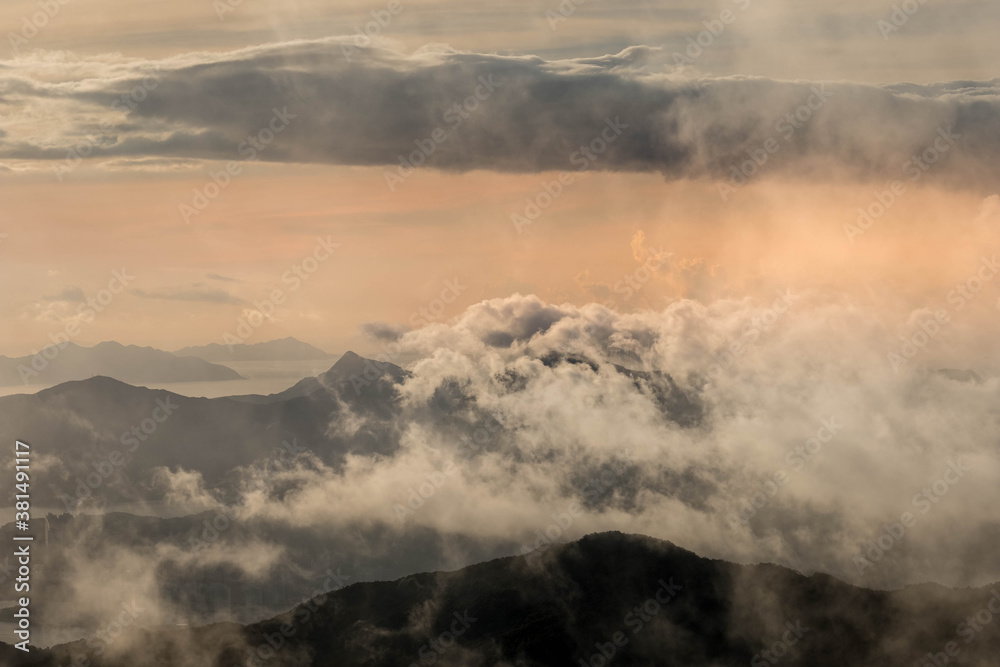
(207, 295)
(73, 294)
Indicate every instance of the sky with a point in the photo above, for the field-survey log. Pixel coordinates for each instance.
(119, 121)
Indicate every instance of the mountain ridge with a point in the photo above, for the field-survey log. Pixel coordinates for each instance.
(132, 364)
(351, 368)
(99, 415)
(279, 349)
(631, 598)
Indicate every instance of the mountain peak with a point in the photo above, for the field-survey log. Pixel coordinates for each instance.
(350, 363)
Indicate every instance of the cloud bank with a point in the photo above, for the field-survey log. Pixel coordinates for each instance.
(772, 432)
(459, 111)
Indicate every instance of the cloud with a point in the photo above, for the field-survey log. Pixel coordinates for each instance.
(379, 105)
(150, 164)
(70, 294)
(382, 332)
(522, 416)
(216, 276)
(655, 422)
(194, 293)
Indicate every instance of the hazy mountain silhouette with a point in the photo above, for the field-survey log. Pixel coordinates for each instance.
(201, 591)
(351, 371)
(283, 349)
(82, 424)
(127, 363)
(608, 599)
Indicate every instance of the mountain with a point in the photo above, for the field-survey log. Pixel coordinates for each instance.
(607, 599)
(84, 423)
(128, 363)
(283, 349)
(353, 408)
(350, 369)
(83, 545)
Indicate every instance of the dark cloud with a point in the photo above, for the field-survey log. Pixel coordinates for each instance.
(188, 294)
(68, 294)
(372, 106)
(381, 331)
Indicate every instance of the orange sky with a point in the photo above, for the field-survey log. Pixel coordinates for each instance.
(398, 249)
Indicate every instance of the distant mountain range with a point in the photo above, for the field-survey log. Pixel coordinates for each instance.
(127, 363)
(283, 349)
(82, 423)
(607, 599)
